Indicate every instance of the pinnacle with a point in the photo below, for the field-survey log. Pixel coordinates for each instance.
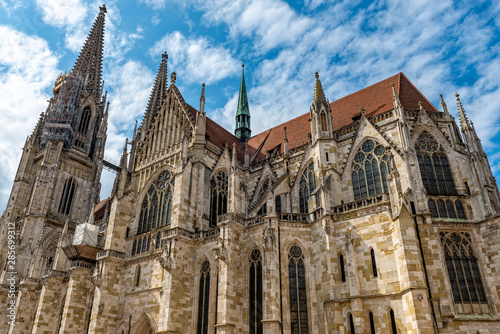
(158, 92)
(319, 94)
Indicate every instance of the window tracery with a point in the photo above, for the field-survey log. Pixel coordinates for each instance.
(434, 166)
(446, 209)
(203, 298)
(307, 185)
(83, 127)
(298, 294)
(218, 196)
(156, 209)
(462, 267)
(256, 293)
(370, 168)
(67, 196)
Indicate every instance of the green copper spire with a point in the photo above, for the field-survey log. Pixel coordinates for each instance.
(242, 130)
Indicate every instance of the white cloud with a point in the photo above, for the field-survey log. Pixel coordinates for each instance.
(155, 4)
(195, 59)
(63, 13)
(27, 69)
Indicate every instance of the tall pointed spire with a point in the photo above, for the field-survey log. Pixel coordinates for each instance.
(157, 94)
(464, 121)
(242, 130)
(89, 62)
(319, 94)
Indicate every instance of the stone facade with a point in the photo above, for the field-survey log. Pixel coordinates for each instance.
(191, 204)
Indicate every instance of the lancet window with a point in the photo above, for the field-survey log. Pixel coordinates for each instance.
(462, 267)
(374, 263)
(83, 127)
(255, 283)
(434, 166)
(156, 209)
(298, 294)
(278, 204)
(394, 329)
(370, 168)
(218, 196)
(203, 298)
(446, 208)
(307, 185)
(67, 196)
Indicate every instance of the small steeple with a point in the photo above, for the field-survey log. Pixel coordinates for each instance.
(464, 121)
(242, 130)
(89, 62)
(319, 94)
(158, 93)
(444, 107)
(395, 97)
(202, 98)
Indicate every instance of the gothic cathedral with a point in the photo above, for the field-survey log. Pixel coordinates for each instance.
(374, 213)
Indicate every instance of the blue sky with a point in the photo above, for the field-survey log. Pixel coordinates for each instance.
(443, 47)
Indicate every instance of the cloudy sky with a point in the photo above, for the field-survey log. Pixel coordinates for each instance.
(442, 46)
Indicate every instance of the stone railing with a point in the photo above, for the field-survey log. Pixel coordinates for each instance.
(230, 217)
(110, 252)
(256, 221)
(81, 264)
(361, 203)
(57, 273)
(61, 219)
(292, 217)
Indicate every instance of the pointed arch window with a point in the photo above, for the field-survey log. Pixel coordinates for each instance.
(394, 329)
(203, 298)
(83, 127)
(372, 323)
(134, 245)
(323, 121)
(218, 196)
(158, 240)
(342, 268)
(298, 291)
(137, 279)
(278, 203)
(156, 209)
(352, 330)
(256, 326)
(434, 166)
(462, 267)
(374, 263)
(67, 196)
(370, 168)
(307, 185)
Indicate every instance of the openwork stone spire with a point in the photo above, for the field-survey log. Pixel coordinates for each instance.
(319, 94)
(89, 62)
(158, 93)
(464, 121)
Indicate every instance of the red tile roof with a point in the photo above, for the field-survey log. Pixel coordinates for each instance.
(375, 100)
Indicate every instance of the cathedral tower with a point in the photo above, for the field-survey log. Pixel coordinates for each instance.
(242, 130)
(58, 178)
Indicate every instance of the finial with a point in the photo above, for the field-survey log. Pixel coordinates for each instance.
(242, 62)
(164, 55)
(172, 78)
(203, 90)
(285, 132)
(362, 110)
(102, 9)
(420, 105)
(316, 75)
(442, 99)
(392, 84)
(457, 96)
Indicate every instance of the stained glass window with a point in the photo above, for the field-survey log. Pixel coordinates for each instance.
(203, 298)
(83, 127)
(446, 209)
(156, 208)
(218, 196)
(462, 267)
(434, 167)
(369, 175)
(307, 185)
(255, 283)
(278, 204)
(298, 294)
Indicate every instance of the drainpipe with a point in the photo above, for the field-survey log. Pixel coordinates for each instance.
(413, 211)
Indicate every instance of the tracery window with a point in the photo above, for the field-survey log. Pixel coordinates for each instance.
(307, 185)
(203, 298)
(156, 209)
(218, 196)
(462, 267)
(67, 196)
(83, 127)
(255, 283)
(298, 294)
(434, 167)
(446, 209)
(370, 168)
